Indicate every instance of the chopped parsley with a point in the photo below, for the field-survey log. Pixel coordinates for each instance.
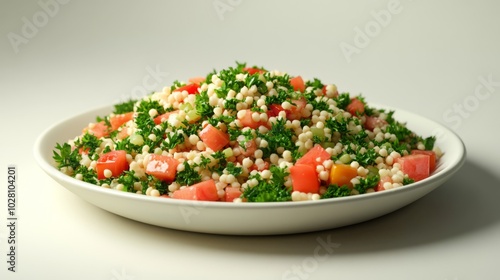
(336, 191)
(269, 190)
(188, 176)
(66, 157)
(125, 107)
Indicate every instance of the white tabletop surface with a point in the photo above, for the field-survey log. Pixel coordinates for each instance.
(440, 59)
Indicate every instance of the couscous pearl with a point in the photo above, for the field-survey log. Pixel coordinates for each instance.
(296, 196)
(249, 100)
(286, 105)
(256, 117)
(108, 173)
(230, 179)
(241, 114)
(382, 152)
(395, 154)
(153, 112)
(266, 174)
(323, 175)
(287, 155)
(389, 160)
(154, 192)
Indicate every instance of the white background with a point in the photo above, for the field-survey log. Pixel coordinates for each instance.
(430, 57)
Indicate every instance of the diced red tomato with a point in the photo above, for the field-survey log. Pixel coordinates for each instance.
(196, 80)
(298, 84)
(162, 167)
(274, 110)
(99, 130)
(356, 107)
(314, 157)
(231, 194)
(294, 113)
(247, 120)
(304, 178)
(188, 193)
(205, 190)
(118, 120)
(163, 117)
(342, 174)
(190, 88)
(417, 166)
(431, 154)
(383, 180)
(372, 122)
(114, 161)
(252, 70)
(214, 138)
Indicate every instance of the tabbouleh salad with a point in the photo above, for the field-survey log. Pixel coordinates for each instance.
(246, 134)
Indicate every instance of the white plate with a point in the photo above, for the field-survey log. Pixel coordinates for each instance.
(252, 218)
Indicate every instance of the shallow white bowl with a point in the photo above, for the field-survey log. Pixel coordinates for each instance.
(252, 218)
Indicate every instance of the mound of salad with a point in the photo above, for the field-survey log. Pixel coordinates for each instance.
(246, 134)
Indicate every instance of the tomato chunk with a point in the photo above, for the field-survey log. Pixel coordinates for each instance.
(205, 190)
(314, 157)
(190, 88)
(214, 138)
(432, 158)
(118, 120)
(304, 178)
(298, 84)
(114, 161)
(231, 194)
(99, 129)
(356, 107)
(162, 167)
(417, 166)
(342, 174)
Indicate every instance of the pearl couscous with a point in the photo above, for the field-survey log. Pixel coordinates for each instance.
(245, 134)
